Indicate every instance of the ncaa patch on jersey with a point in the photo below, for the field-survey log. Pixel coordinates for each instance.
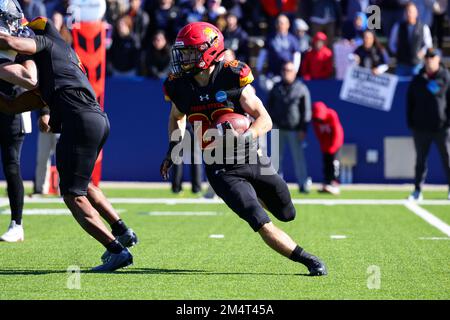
(221, 96)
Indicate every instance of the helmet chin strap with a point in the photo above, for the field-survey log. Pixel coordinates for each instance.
(213, 63)
(198, 70)
(220, 54)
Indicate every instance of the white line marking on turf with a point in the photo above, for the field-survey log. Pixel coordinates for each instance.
(337, 236)
(434, 238)
(46, 212)
(173, 201)
(182, 213)
(428, 217)
(373, 202)
(216, 236)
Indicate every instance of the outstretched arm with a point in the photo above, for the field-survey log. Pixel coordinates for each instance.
(26, 46)
(177, 120)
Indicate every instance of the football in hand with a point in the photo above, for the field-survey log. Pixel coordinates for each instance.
(239, 122)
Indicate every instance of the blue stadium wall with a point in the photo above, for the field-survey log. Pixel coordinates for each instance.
(138, 140)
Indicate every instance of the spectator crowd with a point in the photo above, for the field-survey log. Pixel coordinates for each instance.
(285, 41)
(304, 32)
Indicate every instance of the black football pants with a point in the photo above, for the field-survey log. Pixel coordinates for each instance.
(11, 148)
(330, 168)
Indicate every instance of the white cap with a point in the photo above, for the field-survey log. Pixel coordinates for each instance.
(300, 24)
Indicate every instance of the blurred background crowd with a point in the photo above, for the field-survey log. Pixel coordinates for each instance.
(311, 33)
(285, 42)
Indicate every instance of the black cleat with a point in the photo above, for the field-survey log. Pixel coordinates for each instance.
(128, 239)
(317, 267)
(115, 261)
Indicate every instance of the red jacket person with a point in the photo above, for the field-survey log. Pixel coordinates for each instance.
(330, 134)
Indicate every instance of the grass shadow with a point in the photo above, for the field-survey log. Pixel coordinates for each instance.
(149, 271)
(13, 272)
(160, 271)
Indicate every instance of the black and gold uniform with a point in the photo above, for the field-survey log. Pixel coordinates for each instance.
(74, 110)
(241, 185)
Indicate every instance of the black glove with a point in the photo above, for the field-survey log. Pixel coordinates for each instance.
(167, 162)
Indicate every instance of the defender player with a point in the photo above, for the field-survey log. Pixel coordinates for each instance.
(12, 128)
(84, 128)
(201, 88)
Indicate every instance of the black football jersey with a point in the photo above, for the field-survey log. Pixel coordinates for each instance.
(58, 65)
(220, 96)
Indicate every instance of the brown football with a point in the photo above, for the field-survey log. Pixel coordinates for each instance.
(239, 122)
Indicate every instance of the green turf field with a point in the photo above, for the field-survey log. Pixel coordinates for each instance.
(177, 259)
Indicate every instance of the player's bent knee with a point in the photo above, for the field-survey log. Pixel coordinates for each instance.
(287, 213)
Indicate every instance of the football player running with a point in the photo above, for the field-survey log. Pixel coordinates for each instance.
(84, 128)
(202, 87)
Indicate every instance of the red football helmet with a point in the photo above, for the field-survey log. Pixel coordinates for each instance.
(198, 45)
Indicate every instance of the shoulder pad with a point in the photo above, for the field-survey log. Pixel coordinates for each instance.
(242, 70)
(38, 23)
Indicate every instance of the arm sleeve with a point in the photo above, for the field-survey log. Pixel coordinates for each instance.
(241, 74)
(325, 71)
(427, 38)
(304, 68)
(305, 110)
(338, 135)
(329, 68)
(245, 75)
(169, 89)
(384, 56)
(42, 43)
(297, 61)
(393, 38)
(261, 60)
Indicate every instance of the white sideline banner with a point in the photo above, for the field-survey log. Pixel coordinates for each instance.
(362, 87)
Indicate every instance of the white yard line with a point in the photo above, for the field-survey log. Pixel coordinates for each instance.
(166, 185)
(338, 236)
(216, 236)
(46, 212)
(428, 217)
(412, 206)
(181, 213)
(174, 201)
